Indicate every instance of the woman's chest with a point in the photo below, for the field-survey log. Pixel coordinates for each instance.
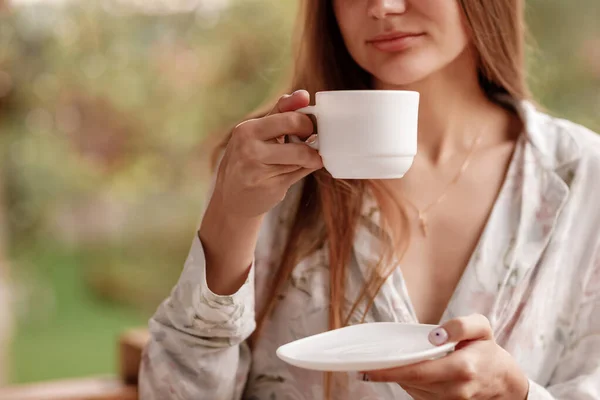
(435, 263)
(445, 233)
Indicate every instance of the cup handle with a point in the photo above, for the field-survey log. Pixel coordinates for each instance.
(295, 139)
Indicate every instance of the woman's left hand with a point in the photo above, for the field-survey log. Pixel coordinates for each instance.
(478, 369)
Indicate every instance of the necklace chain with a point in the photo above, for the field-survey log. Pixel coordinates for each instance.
(422, 213)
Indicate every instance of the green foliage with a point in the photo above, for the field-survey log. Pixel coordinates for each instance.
(69, 332)
(107, 103)
(564, 55)
(106, 134)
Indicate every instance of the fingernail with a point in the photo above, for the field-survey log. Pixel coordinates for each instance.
(362, 376)
(438, 336)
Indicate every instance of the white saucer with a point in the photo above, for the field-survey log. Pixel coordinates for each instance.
(364, 347)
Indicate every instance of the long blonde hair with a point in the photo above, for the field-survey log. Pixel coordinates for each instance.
(497, 30)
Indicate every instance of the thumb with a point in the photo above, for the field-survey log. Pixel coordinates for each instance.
(472, 327)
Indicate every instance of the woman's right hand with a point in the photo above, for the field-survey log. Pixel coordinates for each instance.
(257, 170)
(254, 175)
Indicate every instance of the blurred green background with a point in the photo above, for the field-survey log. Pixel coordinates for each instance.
(108, 112)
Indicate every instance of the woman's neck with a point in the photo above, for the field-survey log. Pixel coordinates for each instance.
(453, 110)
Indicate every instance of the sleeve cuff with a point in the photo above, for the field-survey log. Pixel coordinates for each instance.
(193, 307)
(196, 260)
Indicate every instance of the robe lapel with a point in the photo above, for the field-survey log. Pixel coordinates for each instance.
(541, 197)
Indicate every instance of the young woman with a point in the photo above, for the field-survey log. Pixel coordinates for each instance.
(493, 234)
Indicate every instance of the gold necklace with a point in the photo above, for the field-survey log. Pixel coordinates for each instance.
(422, 213)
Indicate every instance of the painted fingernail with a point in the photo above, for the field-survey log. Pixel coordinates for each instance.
(362, 376)
(438, 336)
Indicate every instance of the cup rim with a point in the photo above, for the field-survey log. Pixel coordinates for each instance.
(368, 91)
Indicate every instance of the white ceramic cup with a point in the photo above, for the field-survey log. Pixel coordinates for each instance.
(366, 134)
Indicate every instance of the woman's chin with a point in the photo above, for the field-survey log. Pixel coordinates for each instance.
(398, 80)
(399, 74)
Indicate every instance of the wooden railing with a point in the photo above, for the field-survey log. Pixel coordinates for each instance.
(122, 387)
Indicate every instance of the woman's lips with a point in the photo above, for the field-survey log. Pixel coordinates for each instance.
(395, 43)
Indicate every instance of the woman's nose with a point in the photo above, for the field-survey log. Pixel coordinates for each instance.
(380, 9)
